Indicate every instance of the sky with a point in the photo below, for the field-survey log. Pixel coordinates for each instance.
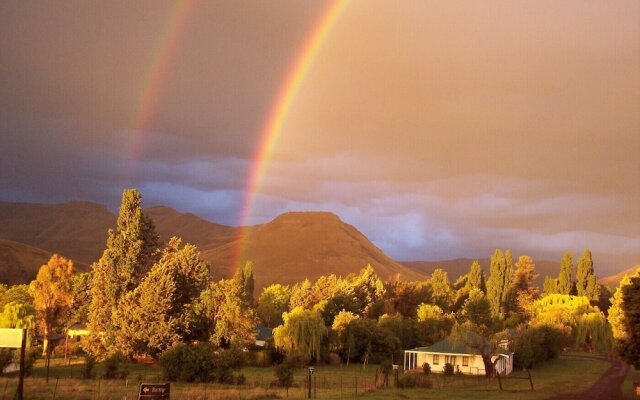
(439, 129)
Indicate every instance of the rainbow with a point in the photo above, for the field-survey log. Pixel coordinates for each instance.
(162, 58)
(278, 114)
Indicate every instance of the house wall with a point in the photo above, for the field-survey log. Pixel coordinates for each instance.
(414, 361)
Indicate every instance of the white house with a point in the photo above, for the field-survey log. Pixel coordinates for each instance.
(464, 359)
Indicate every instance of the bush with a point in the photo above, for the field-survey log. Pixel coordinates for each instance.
(112, 363)
(414, 380)
(448, 369)
(284, 373)
(535, 345)
(200, 362)
(89, 363)
(426, 368)
(6, 355)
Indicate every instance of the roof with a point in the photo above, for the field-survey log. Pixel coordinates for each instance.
(263, 333)
(448, 346)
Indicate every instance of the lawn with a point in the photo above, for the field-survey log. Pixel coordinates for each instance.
(564, 375)
(627, 387)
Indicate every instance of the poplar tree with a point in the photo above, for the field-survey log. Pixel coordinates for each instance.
(476, 278)
(132, 248)
(586, 280)
(500, 270)
(565, 279)
(245, 278)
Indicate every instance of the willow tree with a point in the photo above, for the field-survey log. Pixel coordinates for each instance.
(301, 334)
(624, 317)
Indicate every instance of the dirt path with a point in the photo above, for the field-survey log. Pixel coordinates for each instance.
(608, 387)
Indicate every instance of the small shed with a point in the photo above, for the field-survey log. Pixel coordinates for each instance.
(464, 359)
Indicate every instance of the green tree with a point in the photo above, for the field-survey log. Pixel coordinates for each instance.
(586, 280)
(132, 248)
(302, 295)
(301, 333)
(246, 280)
(273, 301)
(341, 324)
(51, 291)
(565, 279)
(368, 288)
(477, 309)
(522, 291)
(624, 317)
(404, 297)
(232, 321)
(499, 280)
(476, 278)
(429, 312)
(16, 294)
(550, 285)
(483, 339)
(441, 289)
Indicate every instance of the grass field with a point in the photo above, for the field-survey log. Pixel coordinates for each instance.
(564, 375)
(627, 387)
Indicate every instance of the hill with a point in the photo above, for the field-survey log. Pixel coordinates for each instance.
(299, 245)
(191, 228)
(612, 281)
(76, 229)
(460, 266)
(19, 262)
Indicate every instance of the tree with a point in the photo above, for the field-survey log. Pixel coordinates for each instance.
(429, 312)
(522, 292)
(368, 288)
(273, 301)
(246, 280)
(481, 338)
(51, 291)
(565, 279)
(476, 278)
(550, 285)
(477, 309)
(232, 321)
(586, 280)
(499, 280)
(404, 297)
(341, 324)
(302, 295)
(442, 292)
(132, 248)
(624, 317)
(301, 333)
(161, 310)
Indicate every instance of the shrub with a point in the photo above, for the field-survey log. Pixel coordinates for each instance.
(6, 355)
(112, 363)
(285, 372)
(89, 363)
(200, 362)
(448, 369)
(426, 368)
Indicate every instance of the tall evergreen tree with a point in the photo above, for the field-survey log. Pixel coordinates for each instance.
(132, 248)
(565, 279)
(586, 280)
(499, 280)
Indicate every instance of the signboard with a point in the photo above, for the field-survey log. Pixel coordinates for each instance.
(154, 391)
(11, 338)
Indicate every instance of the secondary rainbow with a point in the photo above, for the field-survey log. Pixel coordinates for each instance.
(278, 114)
(162, 59)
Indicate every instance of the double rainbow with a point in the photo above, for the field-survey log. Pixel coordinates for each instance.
(162, 60)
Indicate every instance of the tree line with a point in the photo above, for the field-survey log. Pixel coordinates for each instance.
(143, 298)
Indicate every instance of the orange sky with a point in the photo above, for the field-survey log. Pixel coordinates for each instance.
(440, 129)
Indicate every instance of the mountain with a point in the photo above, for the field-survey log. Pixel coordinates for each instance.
(460, 266)
(612, 281)
(76, 230)
(19, 262)
(299, 245)
(191, 228)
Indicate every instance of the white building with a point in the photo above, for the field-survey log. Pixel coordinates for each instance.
(463, 358)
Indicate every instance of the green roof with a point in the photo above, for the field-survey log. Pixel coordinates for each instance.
(448, 346)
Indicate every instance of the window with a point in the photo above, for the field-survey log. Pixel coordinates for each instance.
(465, 361)
(452, 360)
(436, 359)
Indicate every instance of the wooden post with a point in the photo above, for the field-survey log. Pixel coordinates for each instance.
(23, 348)
(499, 381)
(530, 380)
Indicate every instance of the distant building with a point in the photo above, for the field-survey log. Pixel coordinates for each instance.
(464, 359)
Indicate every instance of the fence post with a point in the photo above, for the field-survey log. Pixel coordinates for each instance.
(530, 380)
(356, 380)
(499, 381)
